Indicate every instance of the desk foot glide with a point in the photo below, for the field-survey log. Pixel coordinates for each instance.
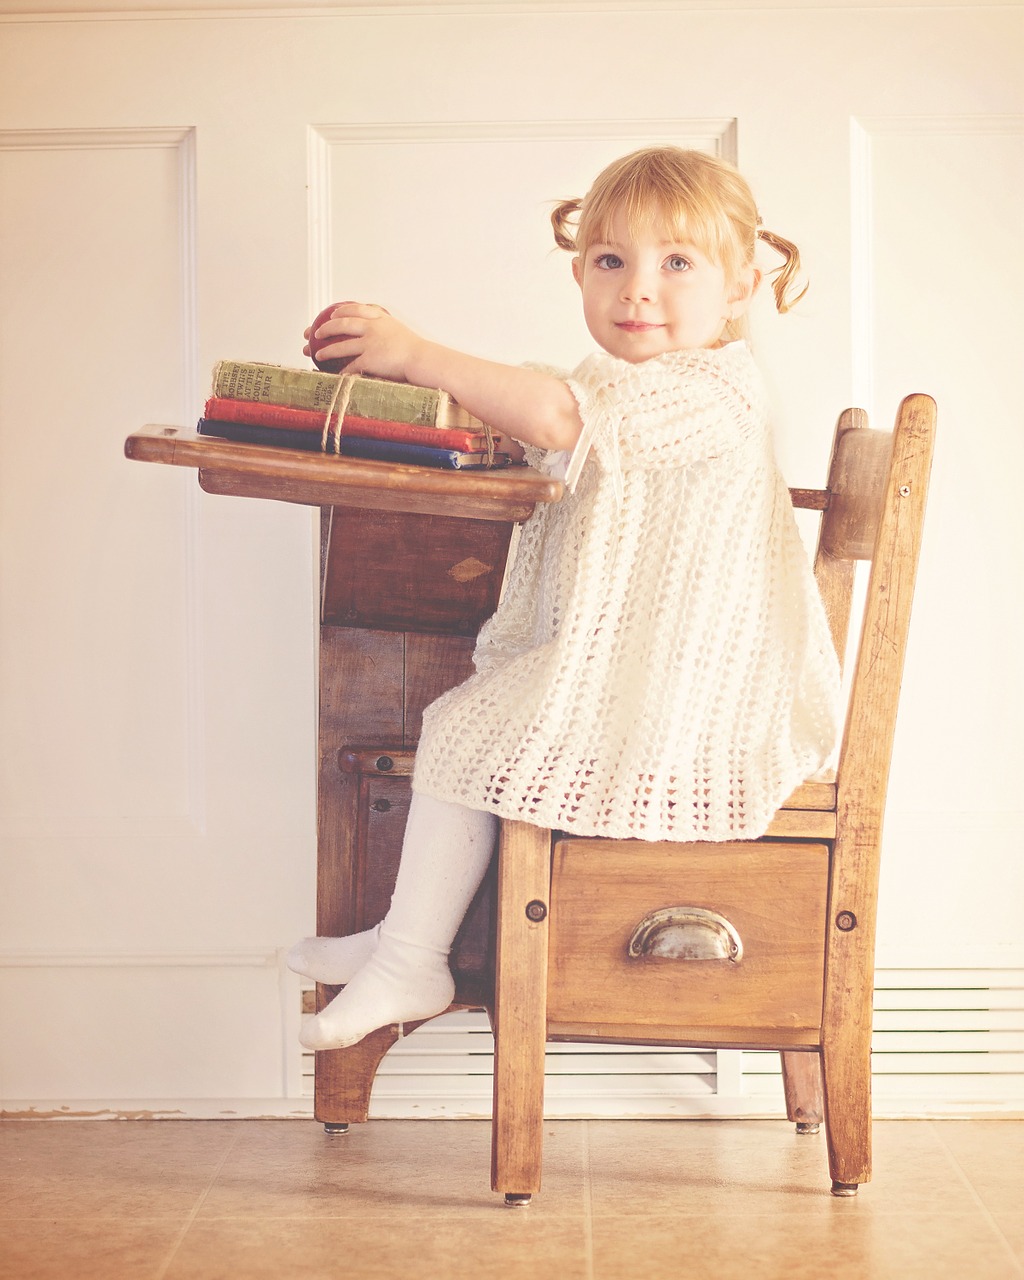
(517, 1199)
(844, 1188)
(334, 1129)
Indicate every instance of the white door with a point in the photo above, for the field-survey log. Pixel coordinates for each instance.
(180, 187)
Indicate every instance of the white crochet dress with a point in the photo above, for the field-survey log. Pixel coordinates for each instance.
(660, 665)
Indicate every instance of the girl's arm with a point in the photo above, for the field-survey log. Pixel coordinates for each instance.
(527, 404)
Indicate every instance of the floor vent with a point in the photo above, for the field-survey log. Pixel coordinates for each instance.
(945, 1042)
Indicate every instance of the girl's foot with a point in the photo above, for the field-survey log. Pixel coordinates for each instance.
(401, 982)
(333, 960)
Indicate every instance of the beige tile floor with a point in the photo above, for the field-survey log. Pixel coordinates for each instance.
(622, 1200)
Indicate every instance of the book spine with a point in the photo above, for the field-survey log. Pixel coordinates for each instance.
(221, 409)
(286, 418)
(310, 389)
(255, 433)
(418, 454)
(351, 446)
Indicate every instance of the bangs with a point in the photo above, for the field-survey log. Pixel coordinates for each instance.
(665, 219)
(675, 195)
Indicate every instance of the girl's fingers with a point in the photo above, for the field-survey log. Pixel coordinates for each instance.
(359, 310)
(342, 327)
(347, 318)
(339, 350)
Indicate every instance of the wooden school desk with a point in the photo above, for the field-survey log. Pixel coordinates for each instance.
(411, 564)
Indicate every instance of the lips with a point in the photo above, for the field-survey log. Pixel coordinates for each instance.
(635, 326)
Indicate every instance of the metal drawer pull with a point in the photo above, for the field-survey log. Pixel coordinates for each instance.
(686, 933)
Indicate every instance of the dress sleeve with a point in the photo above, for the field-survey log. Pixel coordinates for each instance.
(688, 407)
(552, 462)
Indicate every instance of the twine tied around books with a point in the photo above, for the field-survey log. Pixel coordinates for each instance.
(330, 441)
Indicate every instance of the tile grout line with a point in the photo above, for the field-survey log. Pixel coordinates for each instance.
(588, 1204)
(985, 1210)
(186, 1226)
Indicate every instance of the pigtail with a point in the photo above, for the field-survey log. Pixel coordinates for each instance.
(785, 277)
(565, 233)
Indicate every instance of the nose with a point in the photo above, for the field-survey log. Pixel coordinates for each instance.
(638, 286)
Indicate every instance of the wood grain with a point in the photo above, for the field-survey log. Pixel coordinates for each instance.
(862, 782)
(807, 903)
(291, 475)
(378, 563)
(524, 869)
(774, 894)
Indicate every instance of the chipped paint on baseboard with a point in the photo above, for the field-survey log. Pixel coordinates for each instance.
(105, 1113)
(172, 1109)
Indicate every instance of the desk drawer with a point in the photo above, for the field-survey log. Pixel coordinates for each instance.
(760, 910)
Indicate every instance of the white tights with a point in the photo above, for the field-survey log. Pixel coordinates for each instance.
(398, 971)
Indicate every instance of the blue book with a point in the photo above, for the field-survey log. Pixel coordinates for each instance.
(420, 455)
(253, 433)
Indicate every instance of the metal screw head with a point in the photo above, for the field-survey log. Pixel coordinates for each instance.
(846, 921)
(384, 763)
(536, 911)
(904, 490)
(381, 806)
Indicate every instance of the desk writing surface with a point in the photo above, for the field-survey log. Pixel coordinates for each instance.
(312, 479)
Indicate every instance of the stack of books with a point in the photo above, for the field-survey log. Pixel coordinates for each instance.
(356, 417)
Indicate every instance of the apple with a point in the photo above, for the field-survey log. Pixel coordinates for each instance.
(315, 344)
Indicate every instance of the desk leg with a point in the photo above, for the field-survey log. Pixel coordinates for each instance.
(373, 687)
(402, 598)
(344, 1077)
(801, 1079)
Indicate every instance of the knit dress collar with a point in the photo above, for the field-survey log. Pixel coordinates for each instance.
(601, 416)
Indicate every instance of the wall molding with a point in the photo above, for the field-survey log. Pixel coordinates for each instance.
(715, 134)
(47, 959)
(180, 137)
(863, 129)
(181, 140)
(157, 1109)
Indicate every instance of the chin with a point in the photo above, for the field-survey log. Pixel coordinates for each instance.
(635, 353)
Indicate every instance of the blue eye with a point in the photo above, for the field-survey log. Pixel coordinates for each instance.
(608, 261)
(677, 263)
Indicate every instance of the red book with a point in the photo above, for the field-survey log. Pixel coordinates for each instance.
(285, 418)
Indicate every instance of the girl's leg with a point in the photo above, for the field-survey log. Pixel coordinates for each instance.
(445, 855)
(333, 960)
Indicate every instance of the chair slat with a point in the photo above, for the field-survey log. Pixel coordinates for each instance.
(818, 793)
(803, 824)
(856, 486)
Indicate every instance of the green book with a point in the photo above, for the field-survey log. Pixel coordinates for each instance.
(311, 389)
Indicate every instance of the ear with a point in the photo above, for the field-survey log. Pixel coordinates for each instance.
(577, 271)
(746, 287)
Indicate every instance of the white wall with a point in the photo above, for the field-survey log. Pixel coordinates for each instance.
(177, 187)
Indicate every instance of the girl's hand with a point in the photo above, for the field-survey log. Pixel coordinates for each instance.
(367, 338)
(528, 405)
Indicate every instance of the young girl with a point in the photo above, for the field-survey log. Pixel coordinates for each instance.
(660, 665)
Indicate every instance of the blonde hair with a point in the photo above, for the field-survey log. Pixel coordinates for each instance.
(679, 189)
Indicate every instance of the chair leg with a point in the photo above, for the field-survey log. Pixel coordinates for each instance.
(520, 1009)
(848, 1004)
(846, 1073)
(801, 1078)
